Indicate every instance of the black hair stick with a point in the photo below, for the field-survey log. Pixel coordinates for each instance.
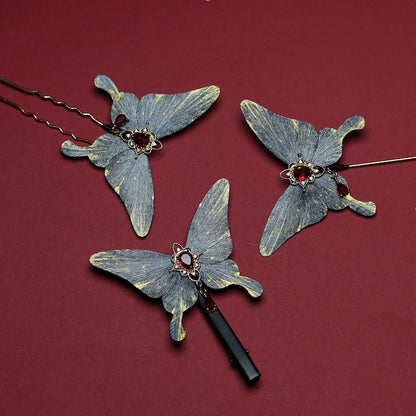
(239, 355)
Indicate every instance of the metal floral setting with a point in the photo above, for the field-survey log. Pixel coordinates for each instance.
(140, 140)
(185, 262)
(302, 173)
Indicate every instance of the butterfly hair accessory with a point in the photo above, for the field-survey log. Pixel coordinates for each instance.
(136, 129)
(138, 126)
(183, 277)
(312, 172)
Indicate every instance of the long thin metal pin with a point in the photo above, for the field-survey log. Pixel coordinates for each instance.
(339, 167)
(41, 120)
(52, 99)
(382, 162)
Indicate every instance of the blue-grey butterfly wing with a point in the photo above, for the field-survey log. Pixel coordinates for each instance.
(100, 152)
(227, 273)
(328, 188)
(165, 113)
(182, 295)
(294, 210)
(286, 138)
(297, 209)
(209, 233)
(209, 236)
(169, 113)
(149, 272)
(131, 179)
(123, 102)
(329, 148)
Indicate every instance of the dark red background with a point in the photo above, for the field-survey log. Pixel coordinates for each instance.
(334, 333)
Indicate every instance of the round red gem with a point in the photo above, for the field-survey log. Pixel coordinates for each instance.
(302, 173)
(140, 139)
(342, 189)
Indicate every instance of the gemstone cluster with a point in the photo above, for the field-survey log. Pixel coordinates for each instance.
(140, 140)
(302, 172)
(185, 262)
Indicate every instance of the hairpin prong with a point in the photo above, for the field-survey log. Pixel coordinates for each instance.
(55, 102)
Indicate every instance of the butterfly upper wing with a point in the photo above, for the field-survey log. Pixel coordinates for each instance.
(209, 236)
(165, 113)
(149, 272)
(131, 179)
(123, 102)
(169, 113)
(286, 138)
(329, 148)
(146, 270)
(209, 233)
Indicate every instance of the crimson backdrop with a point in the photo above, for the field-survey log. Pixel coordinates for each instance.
(334, 333)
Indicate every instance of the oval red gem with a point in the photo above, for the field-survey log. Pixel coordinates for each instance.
(342, 189)
(209, 304)
(141, 140)
(302, 173)
(120, 120)
(186, 260)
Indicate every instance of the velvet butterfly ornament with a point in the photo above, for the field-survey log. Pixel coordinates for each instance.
(311, 156)
(138, 126)
(183, 277)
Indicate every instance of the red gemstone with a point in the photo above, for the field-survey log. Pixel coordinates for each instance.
(185, 260)
(342, 189)
(141, 140)
(209, 304)
(120, 120)
(302, 173)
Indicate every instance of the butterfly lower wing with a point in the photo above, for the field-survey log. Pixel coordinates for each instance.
(227, 273)
(169, 113)
(181, 296)
(295, 210)
(100, 152)
(328, 187)
(209, 233)
(286, 138)
(131, 178)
